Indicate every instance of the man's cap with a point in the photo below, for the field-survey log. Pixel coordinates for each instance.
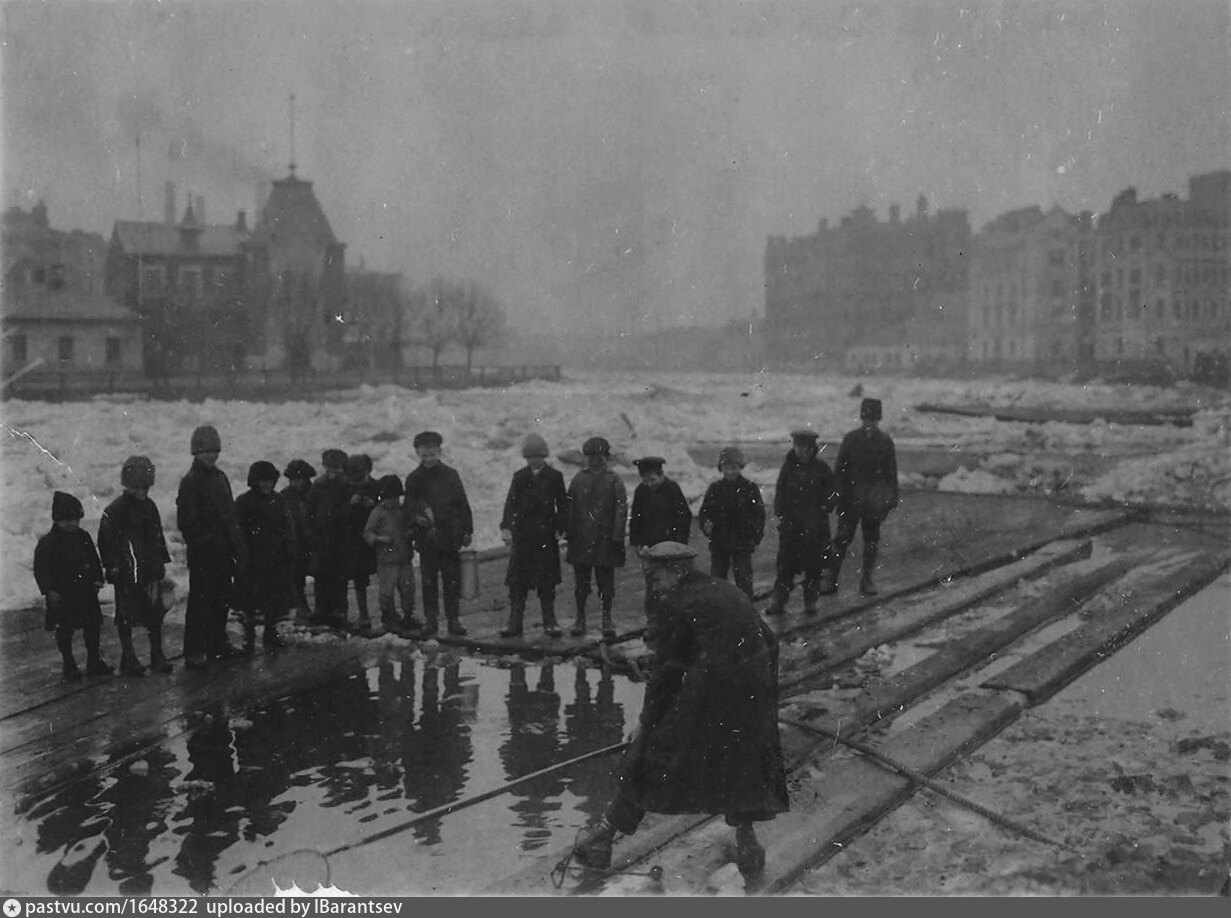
(731, 455)
(870, 409)
(596, 446)
(428, 438)
(650, 464)
(297, 469)
(667, 552)
(333, 459)
(205, 439)
(137, 472)
(803, 433)
(261, 470)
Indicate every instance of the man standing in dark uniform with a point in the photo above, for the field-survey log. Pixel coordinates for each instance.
(867, 483)
(707, 740)
(205, 514)
(802, 500)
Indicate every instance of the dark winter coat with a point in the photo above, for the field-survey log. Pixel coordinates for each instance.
(804, 496)
(131, 543)
(536, 513)
(659, 514)
(438, 493)
(266, 525)
(205, 515)
(735, 514)
(709, 722)
(866, 475)
(598, 515)
(360, 556)
(327, 505)
(67, 563)
(301, 529)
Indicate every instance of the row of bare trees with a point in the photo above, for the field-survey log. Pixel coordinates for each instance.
(436, 316)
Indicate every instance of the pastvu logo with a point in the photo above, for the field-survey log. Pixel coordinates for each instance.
(12, 908)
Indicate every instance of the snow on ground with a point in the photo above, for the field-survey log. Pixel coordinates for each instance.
(79, 446)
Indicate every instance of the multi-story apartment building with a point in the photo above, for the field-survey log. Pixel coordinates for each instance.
(1028, 303)
(1163, 275)
(830, 291)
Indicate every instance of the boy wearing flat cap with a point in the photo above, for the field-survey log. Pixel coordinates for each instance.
(435, 494)
(707, 740)
(867, 482)
(328, 503)
(803, 498)
(660, 513)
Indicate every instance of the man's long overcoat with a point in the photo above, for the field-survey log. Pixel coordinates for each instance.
(866, 475)
(710, 741)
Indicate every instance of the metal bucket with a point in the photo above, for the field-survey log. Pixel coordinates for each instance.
(470, 573)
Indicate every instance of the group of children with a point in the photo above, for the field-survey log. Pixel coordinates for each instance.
(255, 552)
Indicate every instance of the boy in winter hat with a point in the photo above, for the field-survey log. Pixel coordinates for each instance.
(205, 514)
(732, 516)
(360, 556)
(598, 515)
(299, 475)
(69, 575)
(434, 493)
(327, 503)
(267, 529)
(803, 498)
(535, 517)
(134, 555)
(660, 513)
(386, 531)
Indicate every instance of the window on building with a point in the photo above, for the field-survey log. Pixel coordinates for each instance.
(114, 351)
(19, 347)
(152, 279)
(66, 349)
(189, 283)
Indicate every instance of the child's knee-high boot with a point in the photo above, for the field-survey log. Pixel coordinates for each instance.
(64, 642)
(158, 660)
(95, 665)
(129, 664)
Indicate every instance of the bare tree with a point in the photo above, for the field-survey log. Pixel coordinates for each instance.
(433, 317)
(480, 321)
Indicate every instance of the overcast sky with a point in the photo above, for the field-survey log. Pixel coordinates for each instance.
(606, 164)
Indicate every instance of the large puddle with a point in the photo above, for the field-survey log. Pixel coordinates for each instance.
(333, 783)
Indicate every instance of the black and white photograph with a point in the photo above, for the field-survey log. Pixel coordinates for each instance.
(628, 448)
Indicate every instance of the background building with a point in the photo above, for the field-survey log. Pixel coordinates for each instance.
(1163, 275)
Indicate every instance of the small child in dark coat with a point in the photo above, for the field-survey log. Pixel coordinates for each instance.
(732, 516)
(360, 556)
(134, 555)
(267, 530)
(69, 574)
(660, 513)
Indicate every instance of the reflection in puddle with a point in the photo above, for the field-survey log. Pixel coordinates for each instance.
(341, 772)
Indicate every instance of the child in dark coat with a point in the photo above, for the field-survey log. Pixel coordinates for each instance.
(535, 516)
(266, 526)
(327, 505)
(732, 516)
(69, 574)
(134, 555)
(660, 513)
(803, 499)
(299, 475)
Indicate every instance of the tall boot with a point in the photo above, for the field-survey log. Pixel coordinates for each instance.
(129, 664)
(158, 660)
(64, 642)
(579, 623)
(517, 614)
(812, 592)
(750, 855)
(95, 665)
(777, 603)
(363, 624)
(866, 586)
(455, 625)
(609, 632)
(547, 604)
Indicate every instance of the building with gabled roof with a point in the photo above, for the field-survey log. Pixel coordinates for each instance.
(298, 280)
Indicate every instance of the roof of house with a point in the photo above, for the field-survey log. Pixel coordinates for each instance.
(293, 210)
(68, 304)
(150, 238)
